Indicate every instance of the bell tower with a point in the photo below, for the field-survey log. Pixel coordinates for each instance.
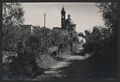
(63, 18)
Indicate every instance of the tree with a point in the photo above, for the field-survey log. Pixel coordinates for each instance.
(12, 19)
(106, 48)
(81, 35)
(111, 12)
(111, 15)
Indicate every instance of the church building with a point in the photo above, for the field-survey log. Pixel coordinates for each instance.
(67, 24)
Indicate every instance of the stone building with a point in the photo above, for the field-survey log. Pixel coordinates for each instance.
(67, 24)
(68, 28)
(25, 33)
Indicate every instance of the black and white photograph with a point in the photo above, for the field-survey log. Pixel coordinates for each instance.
(60, 40)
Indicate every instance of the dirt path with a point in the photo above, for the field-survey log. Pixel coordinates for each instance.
(58, 70)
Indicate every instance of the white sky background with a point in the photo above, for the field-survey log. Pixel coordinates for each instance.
(84, 15)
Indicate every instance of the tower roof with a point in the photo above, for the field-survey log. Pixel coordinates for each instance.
(63, 10)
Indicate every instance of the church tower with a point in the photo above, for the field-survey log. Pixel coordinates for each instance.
(63, 18)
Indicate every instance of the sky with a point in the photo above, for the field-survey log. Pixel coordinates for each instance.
(84, 15)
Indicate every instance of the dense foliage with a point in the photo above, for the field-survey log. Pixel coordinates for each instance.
(12, 18)
(102, 41)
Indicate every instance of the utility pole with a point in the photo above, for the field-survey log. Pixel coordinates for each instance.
(44, 30)
(44, 19)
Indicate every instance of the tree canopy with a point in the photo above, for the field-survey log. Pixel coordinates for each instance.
(12, 19)
(111, 12)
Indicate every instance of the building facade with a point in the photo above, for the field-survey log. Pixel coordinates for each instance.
(67, 24)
